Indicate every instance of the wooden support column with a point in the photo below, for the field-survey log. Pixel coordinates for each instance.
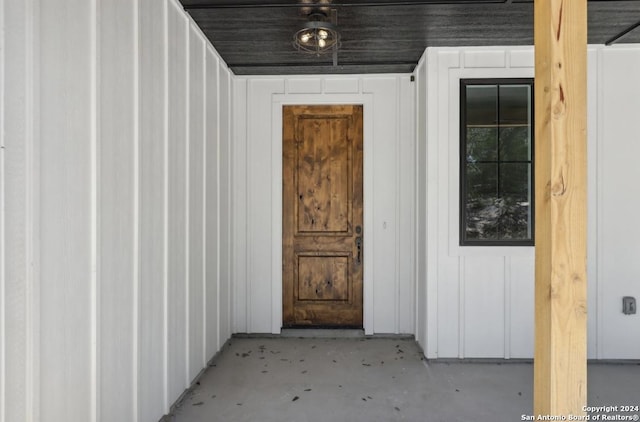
(560, 368)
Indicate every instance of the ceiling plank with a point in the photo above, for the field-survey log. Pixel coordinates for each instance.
(261, 37)
(225, 4)
(622, 34)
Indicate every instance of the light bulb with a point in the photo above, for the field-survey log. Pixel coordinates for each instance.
(305, 37)
(322, 34)
(322, 43)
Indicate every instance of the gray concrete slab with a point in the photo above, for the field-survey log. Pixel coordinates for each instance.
(372, 379)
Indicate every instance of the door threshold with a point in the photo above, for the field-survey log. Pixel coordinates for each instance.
(322, 332)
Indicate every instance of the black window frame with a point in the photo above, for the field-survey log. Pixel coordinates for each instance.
(463, 241)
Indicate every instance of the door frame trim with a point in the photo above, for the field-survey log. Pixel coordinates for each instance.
(279, 100)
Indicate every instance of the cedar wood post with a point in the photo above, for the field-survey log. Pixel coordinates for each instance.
(560, 367)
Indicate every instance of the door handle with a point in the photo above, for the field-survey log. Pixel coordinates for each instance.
(359, 247)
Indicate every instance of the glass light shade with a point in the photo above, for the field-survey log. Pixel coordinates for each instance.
(316, 37)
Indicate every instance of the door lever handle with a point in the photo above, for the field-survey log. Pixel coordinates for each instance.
(359, 247)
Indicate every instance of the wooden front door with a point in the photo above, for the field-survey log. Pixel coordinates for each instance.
(322, 216)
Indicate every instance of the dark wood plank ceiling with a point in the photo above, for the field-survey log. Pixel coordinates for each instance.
(254, 37)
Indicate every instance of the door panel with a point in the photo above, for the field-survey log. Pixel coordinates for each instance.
(322, 216)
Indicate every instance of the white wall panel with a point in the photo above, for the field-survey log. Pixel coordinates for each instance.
(259, 203)
(151, 332)
(405, 207)
(471, 312)
(178, 205)
(618, 214)
(483, 300)
(522, 58)
(239, 207)
(304, 86)
(342, 85)
(445, 340)
(63, 124)
(6, 319)
(384, 210)
(432, 213)
(118, 225)
(225, 201)
(16, 189)
(196, 203)
(484, 58)
(592, 202)
(108, 307)
(519, 325)
(421, 204)
(212, 224)
(613, 94)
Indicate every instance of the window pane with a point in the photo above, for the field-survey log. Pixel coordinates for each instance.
(482, 180)
(515, 144)
(482, 144)
(498, 218)
(483, 218)
(514, 179)
(514, 104)
(514, 218)
(482, 191)
(482, 105)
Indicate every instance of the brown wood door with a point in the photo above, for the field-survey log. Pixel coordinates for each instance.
(322, 216)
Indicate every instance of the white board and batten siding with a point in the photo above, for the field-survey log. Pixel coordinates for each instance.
(388, 232)
(477, 302)
(114, 168)
(617, 268)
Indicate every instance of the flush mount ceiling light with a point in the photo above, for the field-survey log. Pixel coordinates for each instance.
(317, 36)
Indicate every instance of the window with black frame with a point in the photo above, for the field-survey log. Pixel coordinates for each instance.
(496, 162)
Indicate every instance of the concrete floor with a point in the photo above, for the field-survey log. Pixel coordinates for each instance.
(373, 379)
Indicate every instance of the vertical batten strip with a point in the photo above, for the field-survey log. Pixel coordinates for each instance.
(276, 219)
(3, 232)
(32, 216)
(204, 206)
(462, 301)
(416, 216)
(397, 193)
(211, 197)
(94, 60)
(229, 196)
(230, 273)
(187, 135)
(165, 266)
(600, 177)
(240, 189)
(95, 214)
(136, 213)
(227, 333)
(218, 193)
(560, 370)
(249, 203)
